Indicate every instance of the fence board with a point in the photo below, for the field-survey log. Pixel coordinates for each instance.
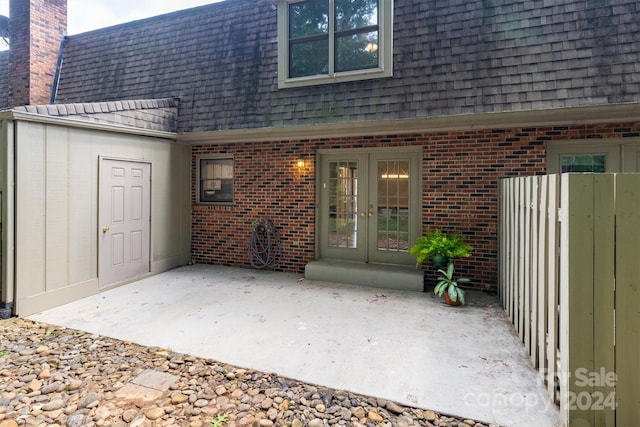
(526, 257)
(501, 239)
(508, 201)
(553, 286)
(542, 277)
(513, 280)
(506, 248)
(627, 299)
(533, 208)
(576, 298)
(520, 238)
(603, 297)
(563, 297)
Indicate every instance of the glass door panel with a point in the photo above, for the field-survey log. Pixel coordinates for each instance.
(342, 198)
(392, 221)
(343, 205)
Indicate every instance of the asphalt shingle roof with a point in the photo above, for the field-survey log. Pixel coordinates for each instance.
(149, 114)
(450, 58)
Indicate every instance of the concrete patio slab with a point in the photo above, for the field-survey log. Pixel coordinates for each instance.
(403, 346)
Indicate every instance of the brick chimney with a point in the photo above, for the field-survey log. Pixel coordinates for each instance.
(36, 29)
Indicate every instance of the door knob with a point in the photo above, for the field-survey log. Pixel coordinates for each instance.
(370, 214)
(105, 229)
(362, 214)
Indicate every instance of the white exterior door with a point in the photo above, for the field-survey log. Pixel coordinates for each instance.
(124, 220)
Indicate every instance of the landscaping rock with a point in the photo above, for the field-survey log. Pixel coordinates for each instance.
(62, 377)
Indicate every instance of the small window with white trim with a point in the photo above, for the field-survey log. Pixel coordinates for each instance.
(215, 179)
(327, 41)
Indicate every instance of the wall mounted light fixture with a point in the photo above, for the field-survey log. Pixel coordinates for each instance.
(300, 163)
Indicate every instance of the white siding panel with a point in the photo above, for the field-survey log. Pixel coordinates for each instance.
(30, 210)
(57, 208)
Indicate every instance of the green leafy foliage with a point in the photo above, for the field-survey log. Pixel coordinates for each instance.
(437, 243)
(220, 420)
(447, 283)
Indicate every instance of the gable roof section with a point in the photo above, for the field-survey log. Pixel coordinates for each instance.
(148, 114)
(4, 79)
(450, 58)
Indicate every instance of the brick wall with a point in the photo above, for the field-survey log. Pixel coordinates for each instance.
(460, 174)
(36, 30)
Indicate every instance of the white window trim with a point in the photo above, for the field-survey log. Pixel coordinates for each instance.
(386, 50)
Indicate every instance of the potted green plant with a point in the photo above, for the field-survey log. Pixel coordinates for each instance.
(448, 287)
(440, 247)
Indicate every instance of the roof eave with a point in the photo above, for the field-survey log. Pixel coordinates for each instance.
(83, 124)
(550, 117)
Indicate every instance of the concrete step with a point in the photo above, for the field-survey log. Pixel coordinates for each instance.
(366, 274)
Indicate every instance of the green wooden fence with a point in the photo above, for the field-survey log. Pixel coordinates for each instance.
(569, 279)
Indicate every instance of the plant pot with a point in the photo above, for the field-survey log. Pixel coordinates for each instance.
(449, 301)
(440, 261)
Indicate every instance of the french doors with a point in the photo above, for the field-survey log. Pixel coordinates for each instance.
(369, 204)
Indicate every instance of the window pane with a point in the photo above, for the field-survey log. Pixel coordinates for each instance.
(309, 58)
(393, 208)
(586, 163)
(357, 52)
(330, 41)
(343, 205)
(353, 14)
(216, 180)
(308, 18)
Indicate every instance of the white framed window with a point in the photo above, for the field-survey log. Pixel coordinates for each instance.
(215, 179)
(331, 41)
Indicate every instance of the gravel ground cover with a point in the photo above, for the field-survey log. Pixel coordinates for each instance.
(54, 376)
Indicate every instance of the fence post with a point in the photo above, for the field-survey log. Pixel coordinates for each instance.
(576, 296)
(627, 299)
(586, 323)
